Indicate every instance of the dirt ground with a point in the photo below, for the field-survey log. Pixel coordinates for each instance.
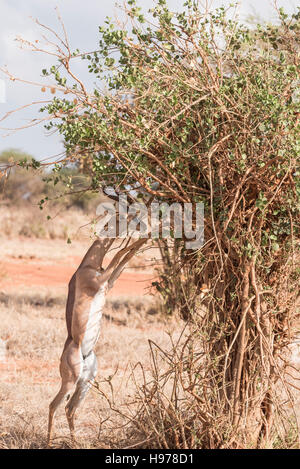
(43, 264)
(33, 286)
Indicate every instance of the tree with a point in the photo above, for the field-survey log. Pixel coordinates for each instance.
(200, 107)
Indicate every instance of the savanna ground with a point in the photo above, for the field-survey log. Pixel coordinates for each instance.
(36, 265)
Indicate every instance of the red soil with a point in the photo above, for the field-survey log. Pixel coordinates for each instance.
(27, 273)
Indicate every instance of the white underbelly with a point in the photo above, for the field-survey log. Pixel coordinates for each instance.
(93, 325)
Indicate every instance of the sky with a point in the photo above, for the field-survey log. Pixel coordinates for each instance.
(81, 20)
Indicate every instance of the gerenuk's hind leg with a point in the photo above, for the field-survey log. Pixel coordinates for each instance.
(65, 388)
(84, 383)
(70, 370)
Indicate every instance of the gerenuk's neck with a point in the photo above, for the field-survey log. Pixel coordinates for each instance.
(94, 256)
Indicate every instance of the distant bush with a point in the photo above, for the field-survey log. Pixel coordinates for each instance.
(21, 184)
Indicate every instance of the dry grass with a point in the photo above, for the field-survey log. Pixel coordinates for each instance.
(30, 222)
(33, 327)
